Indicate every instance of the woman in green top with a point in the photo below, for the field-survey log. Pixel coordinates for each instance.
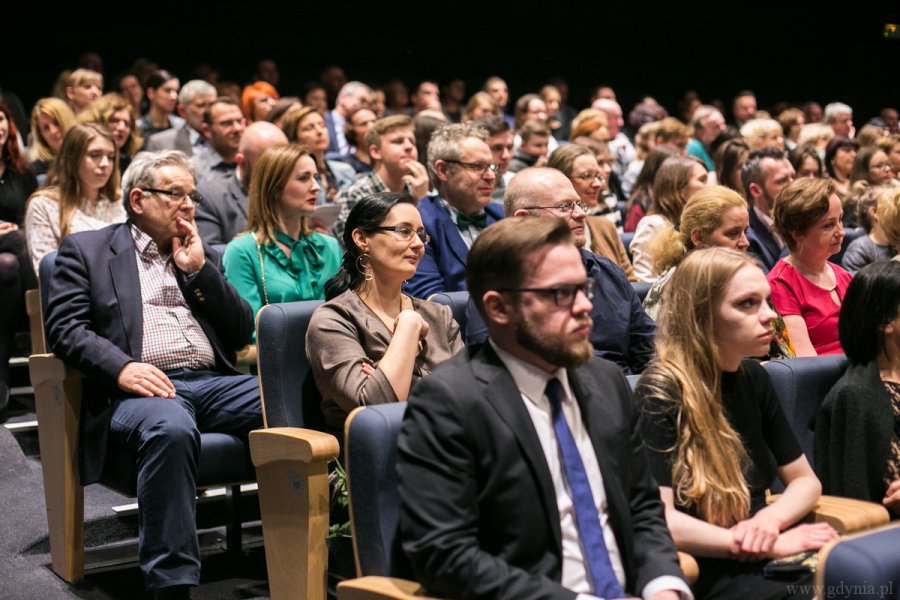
(280, 258)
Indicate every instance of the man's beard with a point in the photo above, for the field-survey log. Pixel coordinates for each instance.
(552, 350)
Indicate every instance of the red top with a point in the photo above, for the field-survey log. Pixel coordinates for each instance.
(794, 294)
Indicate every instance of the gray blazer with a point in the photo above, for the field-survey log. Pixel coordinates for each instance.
(170, 139)
(223, 212)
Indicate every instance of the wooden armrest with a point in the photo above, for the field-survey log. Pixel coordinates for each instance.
(689, 567)
(47, 368)
(370, 588)
(846, 514)
(291, 443)
(35, 321)
(247, 355)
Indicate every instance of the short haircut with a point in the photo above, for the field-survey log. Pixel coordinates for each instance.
(521, 107)
(702, 113)
(870, 303)
(79, 76)
(531, 128)
(743, 94)
(251, 92)
(208, 113)
(755, 129)
(495, 125)
(352, 86)
(141, 173)
(671, 128)
(194, 88)
(502, 255)
(812, 133)
(385, 125)
(800, 205)
(752, 171)
(834, 109)
(445, 142)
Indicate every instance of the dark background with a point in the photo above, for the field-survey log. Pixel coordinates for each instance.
(790, 51)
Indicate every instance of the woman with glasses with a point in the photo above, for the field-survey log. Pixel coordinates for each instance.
(872, 165)
(717, 436)
(280, 258)
(81, 194)
(370, 343)
(580, 165)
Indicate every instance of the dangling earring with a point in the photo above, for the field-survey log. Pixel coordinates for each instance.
(364, 266)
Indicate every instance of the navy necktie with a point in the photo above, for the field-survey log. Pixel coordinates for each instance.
(587, 518)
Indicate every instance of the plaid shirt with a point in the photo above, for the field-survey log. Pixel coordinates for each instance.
(173, 338)
(368, 184)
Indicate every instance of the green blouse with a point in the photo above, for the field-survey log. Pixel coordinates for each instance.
(314, 259)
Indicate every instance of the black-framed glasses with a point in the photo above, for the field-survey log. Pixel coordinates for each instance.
(481, 168)
(175, 196)
(565, 208)
(563, 295)
(405, 233)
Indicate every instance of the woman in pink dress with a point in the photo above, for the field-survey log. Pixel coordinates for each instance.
(807, 290)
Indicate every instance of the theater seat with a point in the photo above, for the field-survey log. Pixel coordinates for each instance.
(864, 566)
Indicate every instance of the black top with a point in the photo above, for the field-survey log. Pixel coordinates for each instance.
(15, 188)
(753, 410)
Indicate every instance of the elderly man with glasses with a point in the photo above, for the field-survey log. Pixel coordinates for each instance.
(621, 332)
(143, 310)
(463, 174)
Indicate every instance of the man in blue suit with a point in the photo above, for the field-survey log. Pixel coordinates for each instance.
(463, 175)
(765, 173)
(352, 96)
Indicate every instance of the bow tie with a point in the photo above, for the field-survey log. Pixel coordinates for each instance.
(479, 220)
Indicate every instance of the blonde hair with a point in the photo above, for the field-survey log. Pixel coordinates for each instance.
(888, 213)
(59, 111)
(101, 110)
(709, 456)
(702, 213)
(271, 174)
(755, 130)
(63, 182)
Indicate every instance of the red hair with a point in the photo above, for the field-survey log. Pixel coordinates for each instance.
(251, 92)
(12, 155)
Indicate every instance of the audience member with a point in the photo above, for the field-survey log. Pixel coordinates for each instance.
(765, 173)
(396, 98)
(81, 191)
(708, 123)
(462, 172)
(223, 125)
(813, 112)
(129, 85)
(358, 123)
(857, 433)
(553, 101)
(839, 117)
(452, 95)
(194, 98)
(677, 180)
(159, 360)
(115, 113)
(223, 212)
(480, 106)
(426, 97)
(891, 146)
(500, 141)
(673, 133)
(873, 246)
(352, 95)
(872, 166)
(743, 108)
(306, 126)
(51, 118)
(498, 90)
(370, 342)
(162, 97)
(792, 121)
(763, 133)
(534, 140)
(642, 192)
(840, 154)
(83, 87)
(619, 144)
(280, 258)
(717, 436)
(807, 290)
(806, 162)
(730, 159)
(490, 419)
(257, 99)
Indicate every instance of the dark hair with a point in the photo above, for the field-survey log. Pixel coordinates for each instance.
(640, 191)
(494, 124)
(158, 79)
(871, 302)
(10, 152)
(729, 133)
(369, 213)
(752, 171)
(799, 154)
(835, 144)
(727, 158)
(861, 164)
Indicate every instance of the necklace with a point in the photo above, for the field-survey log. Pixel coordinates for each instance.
(378, 314)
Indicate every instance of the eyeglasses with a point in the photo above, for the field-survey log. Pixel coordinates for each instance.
(589, 177)
(567, 207)
(406, 233)
(482, 168)
(176, 196)
(884, 165)
(563, 295)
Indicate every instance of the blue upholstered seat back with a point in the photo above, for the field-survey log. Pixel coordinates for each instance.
(457, 302)
(866, 567)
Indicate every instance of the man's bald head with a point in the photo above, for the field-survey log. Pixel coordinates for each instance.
(541, 191)
(257, 137)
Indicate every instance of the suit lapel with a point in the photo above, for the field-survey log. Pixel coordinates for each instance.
(450, 233)
(501, 393)
(127, 284)
(234, 188)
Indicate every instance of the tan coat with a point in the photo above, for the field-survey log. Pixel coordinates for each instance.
(605, 241)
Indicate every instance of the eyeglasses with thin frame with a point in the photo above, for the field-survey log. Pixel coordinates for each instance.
(405, 233)
(481, 168)
(589, 177)
(567, 207)
(175, 196)
(564, 295)
(884, 165)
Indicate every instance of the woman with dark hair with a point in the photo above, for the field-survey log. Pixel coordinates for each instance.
(840, 154)
(162, 96)
(858, 428)
(717, 435)
(806, 162)
(807, 290)
(872, 165)
(730, 158)
(370, 343)
(280, 258)
(641, 193)
(17, 182)
(358, 123)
